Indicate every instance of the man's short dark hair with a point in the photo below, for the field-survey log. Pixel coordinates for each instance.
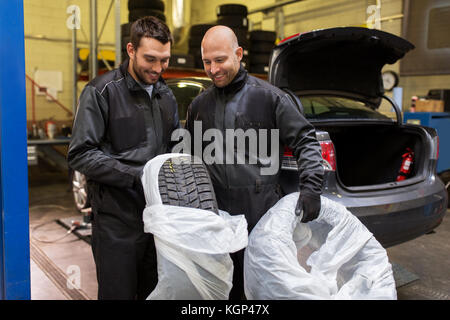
(150, 27)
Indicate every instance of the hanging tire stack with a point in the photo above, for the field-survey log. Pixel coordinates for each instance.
(261, 45)
(138, 9)
(196, 34)
(235, 17)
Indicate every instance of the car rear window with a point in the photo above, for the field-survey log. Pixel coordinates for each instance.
(330, 107)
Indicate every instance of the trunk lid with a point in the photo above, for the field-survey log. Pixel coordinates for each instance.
(345, 61)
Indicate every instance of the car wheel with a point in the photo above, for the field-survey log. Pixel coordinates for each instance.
(186, 184)
(80, 192)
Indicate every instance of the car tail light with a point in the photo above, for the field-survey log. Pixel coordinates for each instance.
(328, 155)
(290, 37)
(288, 161)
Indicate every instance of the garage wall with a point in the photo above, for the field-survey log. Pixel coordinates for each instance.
(48, 18)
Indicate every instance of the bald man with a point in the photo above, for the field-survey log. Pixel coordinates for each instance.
(238, 100)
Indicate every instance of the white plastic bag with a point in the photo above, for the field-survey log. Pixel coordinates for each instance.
(192, 245)
(332, 257)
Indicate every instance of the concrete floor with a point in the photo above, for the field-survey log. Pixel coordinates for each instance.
(64, 270)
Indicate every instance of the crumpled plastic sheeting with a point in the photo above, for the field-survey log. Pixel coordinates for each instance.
(193, 245)
(332, 257)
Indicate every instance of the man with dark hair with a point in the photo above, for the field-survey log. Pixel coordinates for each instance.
(125, 118)
(238, 100)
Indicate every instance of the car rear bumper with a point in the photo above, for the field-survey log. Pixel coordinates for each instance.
(393, 216)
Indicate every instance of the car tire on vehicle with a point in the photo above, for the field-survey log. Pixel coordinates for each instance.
(187, 184)
(80, 191)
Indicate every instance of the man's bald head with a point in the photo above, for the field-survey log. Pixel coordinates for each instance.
(221, 55)
(224, 33)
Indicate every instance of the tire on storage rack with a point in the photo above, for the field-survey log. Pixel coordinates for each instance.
(259, 68)
(245, 62)
(233, 22)
(199, 29)
(195, 41)
(146, 4)
(197, 54)
(124, 55)
(125, 29)
(124, 42)
(136, 14)
(260, 58)
(261, 35)
(231, 10)
(261, 47)
(187, 184)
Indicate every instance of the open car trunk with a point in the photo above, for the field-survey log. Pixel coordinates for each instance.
(370, 155)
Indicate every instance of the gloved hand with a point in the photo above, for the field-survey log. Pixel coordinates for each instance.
(309, 203)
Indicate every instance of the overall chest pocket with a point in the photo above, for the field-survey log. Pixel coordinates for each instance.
(128, 131)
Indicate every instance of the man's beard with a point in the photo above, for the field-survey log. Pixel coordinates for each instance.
(138, 74)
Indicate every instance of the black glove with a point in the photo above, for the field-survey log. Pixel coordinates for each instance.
(309, 203)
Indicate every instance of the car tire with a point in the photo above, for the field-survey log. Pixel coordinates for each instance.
(199, 30)
(186, 184)
(245, 62)
(136, 14)
(261, 35)
(125, 29)
(195, 41)
(80, 191)
(231, 10)
(261, 47)
(146, 4)
(233, 22)
(260, 58)
(124, 42)
(259, 68)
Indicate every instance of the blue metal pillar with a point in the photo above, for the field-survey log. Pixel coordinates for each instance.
(14, 221)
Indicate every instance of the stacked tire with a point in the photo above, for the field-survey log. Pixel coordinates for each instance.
(136, 10)
(142, 8)
(125, 38)
(261, 45)
(196, 34)
(234, 16)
